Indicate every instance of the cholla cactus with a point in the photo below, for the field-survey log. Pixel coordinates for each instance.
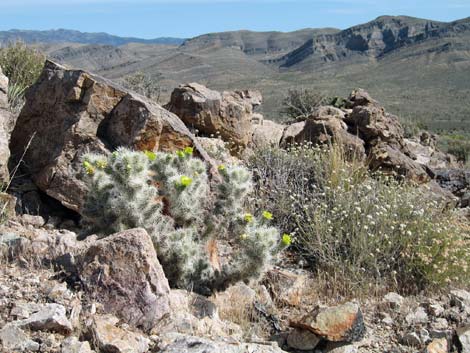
(204, 239)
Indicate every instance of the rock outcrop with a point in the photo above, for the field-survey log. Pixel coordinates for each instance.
(5, 122)
(71, 112)
(227, 114)
(122, 272)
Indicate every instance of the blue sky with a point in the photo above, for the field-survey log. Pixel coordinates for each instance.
(187, 18)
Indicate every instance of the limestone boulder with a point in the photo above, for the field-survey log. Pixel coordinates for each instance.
(227, 114)
(70, 112)
(122, 273)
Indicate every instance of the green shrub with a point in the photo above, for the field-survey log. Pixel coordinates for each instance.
(144, 85)
(204, 238)
(22, 65)
(299, 104)
(368, 230)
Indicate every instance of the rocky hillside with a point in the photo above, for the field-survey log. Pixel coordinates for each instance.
(405, 62)
(66, 288)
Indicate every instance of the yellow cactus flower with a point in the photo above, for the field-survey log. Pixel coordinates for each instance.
(188, 150)
(150, 155)
(185, 181)
(248, 218)
(88, 168)
(267, 215)
(221, 167)
(101, 164)
(244, 236)
(286, 239)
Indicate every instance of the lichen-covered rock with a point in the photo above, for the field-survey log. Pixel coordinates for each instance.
(71, 112)
(228, 114)
(342, 323)
(122, 272)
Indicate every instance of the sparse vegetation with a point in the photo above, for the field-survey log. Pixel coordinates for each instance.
(299, 104)
(22, 65)
(144, 85)
(457, 144)
(170, 196)
(369, 230)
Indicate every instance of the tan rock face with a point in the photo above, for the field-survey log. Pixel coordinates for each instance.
(390, 159)
(439, 345)
(268, 133)
(228, 114)
(71, 112)
(343, 323)
(123, 273)
(109, 338)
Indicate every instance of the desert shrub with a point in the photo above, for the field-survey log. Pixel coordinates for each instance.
(457, 144)
(368, 230)
(144, 84)
(299, 104)
(204, 238)
(22, 65)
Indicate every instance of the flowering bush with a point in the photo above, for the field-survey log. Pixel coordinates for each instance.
(366, 229)
(204, 238)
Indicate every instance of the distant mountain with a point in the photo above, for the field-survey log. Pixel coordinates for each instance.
(256, 43)
(420, 69)
(374, 40)
(65, 35)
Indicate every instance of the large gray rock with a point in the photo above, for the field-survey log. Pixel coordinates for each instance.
(188, 344)
(49, 317)
(228, 114)
(14, 339)
(71, 112)
(122, 272)
(3, 90)
(73, 345)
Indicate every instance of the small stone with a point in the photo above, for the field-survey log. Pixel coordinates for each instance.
(302, 340)
(111, 339)
(394, 300)
(51, 317)
(411, 339)
(333, 347)
(435, 310)
(73, 345)
(24, 310)
(463, 335)
(35, 221)
(437, 346)
(460, 298)
(419, 316)
(14, 338)
(440, 324)
(342, 323)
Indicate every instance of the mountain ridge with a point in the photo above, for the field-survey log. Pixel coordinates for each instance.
(74, 36)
